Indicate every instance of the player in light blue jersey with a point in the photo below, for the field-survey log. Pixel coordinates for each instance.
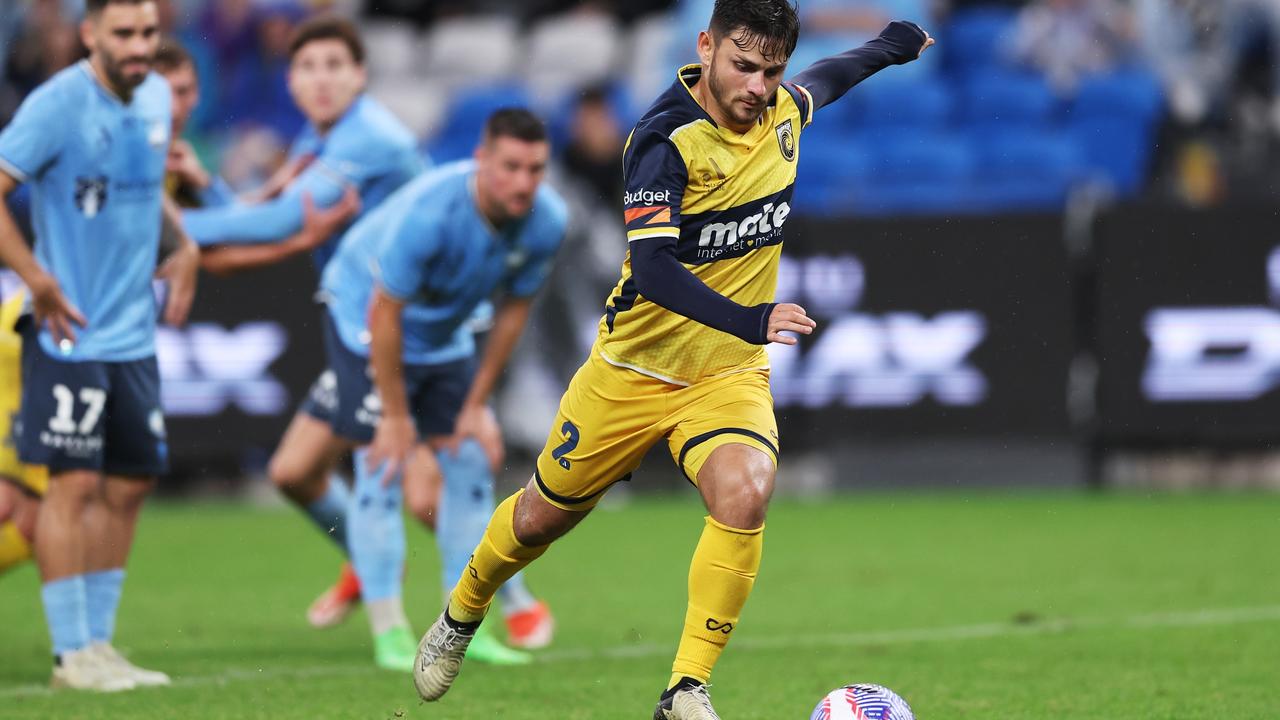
(400, 292)
(92, 143)
(351, 144)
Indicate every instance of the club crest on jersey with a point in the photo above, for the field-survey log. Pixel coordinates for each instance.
(786, 141)
(158, 135)
(91, 194)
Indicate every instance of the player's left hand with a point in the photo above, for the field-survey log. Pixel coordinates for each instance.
(928, 42)
(788, 317)
(393, 441)
(182, 271)
(477, 421)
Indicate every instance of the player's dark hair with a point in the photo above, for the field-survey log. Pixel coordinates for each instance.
(92, 7)
(771, 25)
(171, 55)
(517, 123)
(328, 28)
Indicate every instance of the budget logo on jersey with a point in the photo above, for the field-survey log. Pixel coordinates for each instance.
(91, 194)
(786, 141)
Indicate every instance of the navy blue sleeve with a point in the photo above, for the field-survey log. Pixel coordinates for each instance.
(830, 78)
(663, 280)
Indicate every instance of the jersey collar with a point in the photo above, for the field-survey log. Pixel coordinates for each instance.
(688, 76)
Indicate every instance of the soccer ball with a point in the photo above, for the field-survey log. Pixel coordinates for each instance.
(862, 702)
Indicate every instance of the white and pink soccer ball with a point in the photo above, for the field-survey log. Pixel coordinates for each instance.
(862, 702)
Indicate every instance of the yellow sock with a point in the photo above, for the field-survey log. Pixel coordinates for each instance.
(498, 556)
(720, 578)
(14, 549)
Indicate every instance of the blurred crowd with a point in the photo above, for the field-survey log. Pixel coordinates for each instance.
(592, 66)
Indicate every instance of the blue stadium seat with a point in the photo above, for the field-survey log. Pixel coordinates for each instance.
(922, 104)
(914, 173)
(1117, 150)
(1004, 98)
(1130, 92)
(975, 39)
(468, 110)
(1028, 169)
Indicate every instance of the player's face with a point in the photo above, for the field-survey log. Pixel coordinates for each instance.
(325, 79)
(122, 39)
(186, 95)
(741, 81)
(508, 172)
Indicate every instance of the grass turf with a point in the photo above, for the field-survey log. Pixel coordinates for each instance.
(971, 606)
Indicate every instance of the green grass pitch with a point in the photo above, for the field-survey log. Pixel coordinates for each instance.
(1009, 606)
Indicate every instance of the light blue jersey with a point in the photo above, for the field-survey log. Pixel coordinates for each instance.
(368, 148)
(429, 246)
(96, 168)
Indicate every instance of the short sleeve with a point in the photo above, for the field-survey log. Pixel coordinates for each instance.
(547, 232)
(654, 175)
(33, 140)
(404, 254)
(803, 100)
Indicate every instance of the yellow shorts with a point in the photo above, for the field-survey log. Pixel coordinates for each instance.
(33, 479)
(610, 417)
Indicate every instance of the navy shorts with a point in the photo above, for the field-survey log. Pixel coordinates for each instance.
(345, 397)
(90, 415)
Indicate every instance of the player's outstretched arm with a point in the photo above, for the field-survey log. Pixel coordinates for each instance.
(272, 221)
(663, 280)
(51, 306)
(318, 225)
(830, 78)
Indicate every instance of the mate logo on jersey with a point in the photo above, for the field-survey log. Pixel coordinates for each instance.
(707, 237)
(91, 195)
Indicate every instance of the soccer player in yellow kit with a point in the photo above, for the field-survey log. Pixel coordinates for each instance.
(21, 485)
(709, 172)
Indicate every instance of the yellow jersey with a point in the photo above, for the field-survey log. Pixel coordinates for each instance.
(725, 198)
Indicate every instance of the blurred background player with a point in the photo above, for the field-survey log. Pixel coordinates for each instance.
(186, 179)
(351, 146)
(709, 173)
(91, 402)
(400, 293)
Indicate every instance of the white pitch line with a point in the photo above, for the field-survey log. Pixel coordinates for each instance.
(1150, 621)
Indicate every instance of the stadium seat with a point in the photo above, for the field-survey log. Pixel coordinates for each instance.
(1028, 169)
(975, 39)
(913, 173)
(1131, 92)
(391, 48)
(922, 104)
(566, 52)
(1003, 98)
(467, 112)
(415, 101)
(1117, 150)
(648, 70)
(467, 50)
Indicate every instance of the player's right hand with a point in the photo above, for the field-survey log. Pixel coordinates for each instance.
(320, 224)
(392, 443)
(788, 317)
(53, 308)
(184, 163)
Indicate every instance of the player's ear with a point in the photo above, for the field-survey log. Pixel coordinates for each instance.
(706, 47)
(86, 33)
